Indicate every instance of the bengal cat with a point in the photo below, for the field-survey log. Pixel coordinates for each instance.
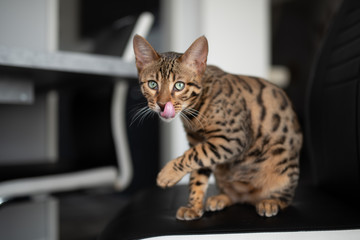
(242, 129)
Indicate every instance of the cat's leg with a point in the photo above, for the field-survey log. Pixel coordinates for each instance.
(218, 202)
(202, 155)
(198, 186)
(281, 169)
(277, 200)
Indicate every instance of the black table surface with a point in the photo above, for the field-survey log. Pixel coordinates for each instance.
(152, 213)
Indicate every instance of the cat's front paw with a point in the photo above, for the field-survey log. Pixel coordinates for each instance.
(169, 176)
(186, 213)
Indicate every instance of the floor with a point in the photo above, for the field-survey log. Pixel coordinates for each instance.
(79, 215)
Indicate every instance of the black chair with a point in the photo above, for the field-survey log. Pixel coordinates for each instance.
(327, 205)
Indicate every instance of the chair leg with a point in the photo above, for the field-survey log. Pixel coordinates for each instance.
(118, 122)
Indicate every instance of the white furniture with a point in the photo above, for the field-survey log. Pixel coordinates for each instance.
(56, 63)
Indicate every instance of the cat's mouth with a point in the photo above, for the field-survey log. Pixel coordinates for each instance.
(167, 113)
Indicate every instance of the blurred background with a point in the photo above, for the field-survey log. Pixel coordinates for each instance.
(64, 125)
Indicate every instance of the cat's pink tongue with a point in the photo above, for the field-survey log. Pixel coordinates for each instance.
(169, 111)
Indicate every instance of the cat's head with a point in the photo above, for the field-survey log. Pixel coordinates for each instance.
(171, 82)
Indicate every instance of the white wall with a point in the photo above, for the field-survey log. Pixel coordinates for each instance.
(237, 31)
(238, 35)
(29, 24)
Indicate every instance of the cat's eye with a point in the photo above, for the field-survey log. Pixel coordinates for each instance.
(152, 84)
(179, 86)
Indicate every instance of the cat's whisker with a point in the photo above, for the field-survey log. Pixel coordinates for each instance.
(195, 114)
(186, 119)
(136, 109)
(140, 115)
(148, 113)
(191, 114)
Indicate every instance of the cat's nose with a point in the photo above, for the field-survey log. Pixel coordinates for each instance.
(161, 105)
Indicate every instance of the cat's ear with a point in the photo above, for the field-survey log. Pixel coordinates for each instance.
(196, 55)
(144, 52)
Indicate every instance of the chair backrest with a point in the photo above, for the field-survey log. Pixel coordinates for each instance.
(333, 113)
